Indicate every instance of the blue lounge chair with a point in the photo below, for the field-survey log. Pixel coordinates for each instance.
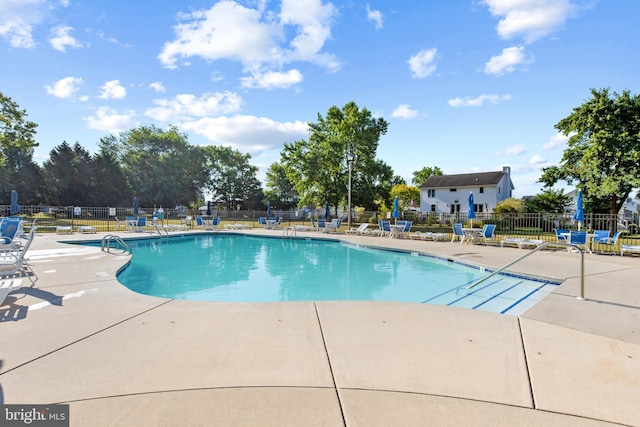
(321, 223)
(562, 234)
(608, 243)
(579, 239)
(487, 234)
(458, 233)
(385, 228)
(13, 262)
(10, 230)
(215, 222)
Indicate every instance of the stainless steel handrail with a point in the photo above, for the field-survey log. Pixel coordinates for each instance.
(537, 248)
(106, 243)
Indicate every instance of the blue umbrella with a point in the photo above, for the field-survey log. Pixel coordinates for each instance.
(326, 209)
(396, 209)
(15, 208)
(268, 209)
(136, 205)
(471, 212)
(209, 208)
(579, 213)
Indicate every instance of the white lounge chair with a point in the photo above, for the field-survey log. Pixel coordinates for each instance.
(14, 262)
(7, 286)
(360, 230)
(634, 249)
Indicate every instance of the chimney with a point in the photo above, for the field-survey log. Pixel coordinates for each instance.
(507, 171)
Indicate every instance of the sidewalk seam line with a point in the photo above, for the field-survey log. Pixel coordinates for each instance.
(326, 352)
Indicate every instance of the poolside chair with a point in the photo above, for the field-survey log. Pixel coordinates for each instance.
(7, 286)
(579, 239)
(458, 233)
(604, 244)
(14, 262)
(629, 249)
(10, 231)
(360, 230)
(487, 234)
(141, 223)
(385, 228)
(405, 232)
(215, 223)
(321, 224)
(334, 225)
(562, 234)
(599, 235)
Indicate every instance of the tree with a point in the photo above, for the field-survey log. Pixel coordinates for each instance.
(419, 177)
(603, 153)
(549, 200)
(111, 186)
(232, 179)
(17, 143)
(319, 168)
(405, 194)
(69, 176)
(280, 191)
(509, 205)
(162, 167)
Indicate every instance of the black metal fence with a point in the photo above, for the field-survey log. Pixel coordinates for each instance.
(529, 225)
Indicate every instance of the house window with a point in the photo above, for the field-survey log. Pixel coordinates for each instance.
(453, 189)
(481, 190)
(478, 208)
(433, 208)
(431, 193)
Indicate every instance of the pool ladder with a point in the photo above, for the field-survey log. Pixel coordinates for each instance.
(537, 248)
(119, 244)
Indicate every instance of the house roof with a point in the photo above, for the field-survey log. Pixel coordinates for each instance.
(464, 180)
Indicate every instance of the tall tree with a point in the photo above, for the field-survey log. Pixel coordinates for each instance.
(319, 167)
(69, 174)
(17, 144)
(279, 189)
(405, 194)
(603, 152)
(232, 179)
(162, 167)
(111, 184)
(419, 177)
(549, 200)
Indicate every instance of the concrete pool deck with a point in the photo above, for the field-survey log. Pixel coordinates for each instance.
(121, 358)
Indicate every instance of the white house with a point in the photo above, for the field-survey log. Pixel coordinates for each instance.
(450, 193)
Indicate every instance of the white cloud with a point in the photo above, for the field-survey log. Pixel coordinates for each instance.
(18, 19)
(478, 101)
(248, 133)
(507, 61)
(404, 111)
(186, 107)
(61, 39)
(421, 64)
(375, 16)
(272, 79)
(108, 120)
(531, 19)
(157, 86)
(557, 140)
(65, 88)
(516, 150)
(113, 90)
(537, 160)
(255, 37)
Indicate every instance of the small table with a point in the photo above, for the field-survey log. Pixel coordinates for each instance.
(395, 230)
(471, 233)
(271, 223)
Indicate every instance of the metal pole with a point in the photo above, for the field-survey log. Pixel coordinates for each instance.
(349, 161)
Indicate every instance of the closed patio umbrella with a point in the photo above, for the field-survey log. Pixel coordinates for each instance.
(579, 213)
(396, 209)
(268, 209)
(326, 209)
(209, 208)
(471, 212)
(136, 205)
(15, 208)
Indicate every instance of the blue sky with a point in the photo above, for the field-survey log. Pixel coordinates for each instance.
(466, 85)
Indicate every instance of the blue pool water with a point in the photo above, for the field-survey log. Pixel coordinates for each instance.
(226, 267)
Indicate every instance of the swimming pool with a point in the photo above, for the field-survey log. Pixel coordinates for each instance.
(234, 268)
